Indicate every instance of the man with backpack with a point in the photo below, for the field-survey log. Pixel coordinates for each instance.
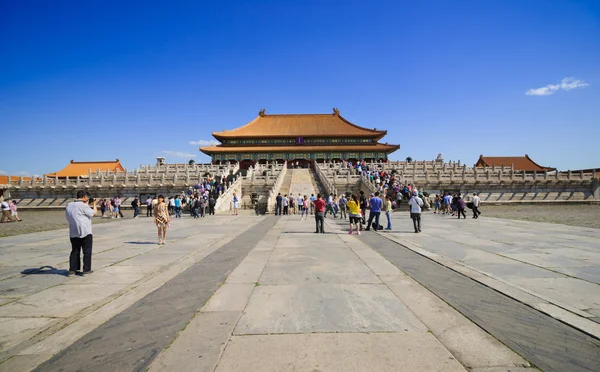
(415, 211)
(211, 205)
(376, 204)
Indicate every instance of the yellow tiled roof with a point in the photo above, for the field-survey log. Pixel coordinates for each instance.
(522, 163)
(299, 125)
(81, 168)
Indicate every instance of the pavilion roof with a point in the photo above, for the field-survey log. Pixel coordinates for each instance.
(299, 125)
(300, 148)
(522, 163)
(82, 168)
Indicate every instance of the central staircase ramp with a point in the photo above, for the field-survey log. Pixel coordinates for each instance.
(302, 182)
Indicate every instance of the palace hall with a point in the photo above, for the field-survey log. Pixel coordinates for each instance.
(302, 138)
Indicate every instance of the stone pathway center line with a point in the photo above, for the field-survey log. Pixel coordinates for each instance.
(131, 340)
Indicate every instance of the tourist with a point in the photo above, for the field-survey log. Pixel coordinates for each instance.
(363, 206)
(103, 207)
(118, 204)
(319, 214)
(437, 203)
(177, 203)
(196, 207)
(476, 203)
(236, 204)
(13, 210)
(6, 212)
(387, 208)
(211, 205)
(355, 215)
(292, 203)
(460, 207)
(329, 207)
(415, 211)
(171, 205)
(114, 209)
(149, 206)
(448, 202)
(202, 205)
(278, 204)
(79, 215)
(454, 204)
(376, 204)
(312, 204)
(304, 208)
(136, 207)
(162, 219)
(343, 202)
(285, 204)
(300, 201)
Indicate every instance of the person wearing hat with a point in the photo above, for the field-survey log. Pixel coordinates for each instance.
(79, 215)
(416, 204)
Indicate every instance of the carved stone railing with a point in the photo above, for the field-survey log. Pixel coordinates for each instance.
(324, 180)
(271, 200)
(225, 199)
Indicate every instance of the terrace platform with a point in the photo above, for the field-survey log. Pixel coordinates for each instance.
(264, 293)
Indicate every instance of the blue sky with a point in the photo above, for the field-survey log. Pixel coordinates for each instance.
(99, 80)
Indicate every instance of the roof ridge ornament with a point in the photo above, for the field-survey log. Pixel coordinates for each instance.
(336, 111)
(262, 112)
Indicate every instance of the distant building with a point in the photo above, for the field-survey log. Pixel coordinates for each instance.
(303, 138)
(520, 163)
(83, 168)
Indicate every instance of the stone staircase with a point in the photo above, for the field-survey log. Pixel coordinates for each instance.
(301, 182)
(287, 183)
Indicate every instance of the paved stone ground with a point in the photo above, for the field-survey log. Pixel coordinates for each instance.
(290, 299)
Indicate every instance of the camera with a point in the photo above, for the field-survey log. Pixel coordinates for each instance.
(91, 200)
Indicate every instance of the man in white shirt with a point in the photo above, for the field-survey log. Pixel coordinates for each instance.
(476, 203)
(79, 214)
(415, 211)
(300, 203)
(6, 212)
(149, 206)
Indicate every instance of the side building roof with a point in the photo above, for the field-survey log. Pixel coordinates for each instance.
(299, 125)
(522, 163)
(82, 168)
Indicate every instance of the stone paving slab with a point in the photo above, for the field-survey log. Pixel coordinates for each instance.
(395, 352)
(325, 308)
(60, 301)
(199, 347)
(229, 297)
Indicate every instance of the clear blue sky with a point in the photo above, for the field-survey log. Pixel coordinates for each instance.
(99, 80)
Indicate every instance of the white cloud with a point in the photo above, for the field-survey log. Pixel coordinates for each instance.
(178, 154)
(204, 142)
(567, 83)
(3, 172)
(572, 83)
(23, 173)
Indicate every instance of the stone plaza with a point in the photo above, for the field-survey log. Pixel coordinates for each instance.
(264, 293)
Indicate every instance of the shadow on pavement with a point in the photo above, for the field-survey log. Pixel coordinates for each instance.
(139, 242)
(45, 270)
